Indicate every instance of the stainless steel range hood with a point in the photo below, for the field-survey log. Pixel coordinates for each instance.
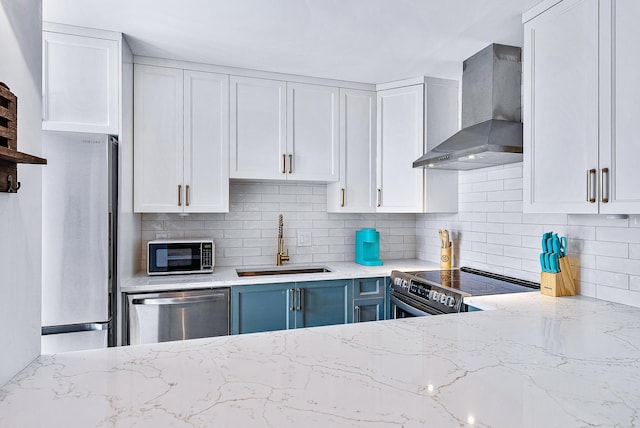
(491, 131)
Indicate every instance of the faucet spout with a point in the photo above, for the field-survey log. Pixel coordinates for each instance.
(283, 254)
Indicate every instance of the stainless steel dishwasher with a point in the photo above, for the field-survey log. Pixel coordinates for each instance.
(179, 315)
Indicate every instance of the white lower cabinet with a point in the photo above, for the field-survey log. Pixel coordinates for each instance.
(180, 140)
(580, 108)
(405, 115)
(356, 190)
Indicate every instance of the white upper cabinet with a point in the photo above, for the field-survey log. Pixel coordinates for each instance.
(158, 130)
(356, 190)
(400, 142)
(258, 132)
(410, 120)
(619, 95)
(580, 108)
(180, 140)
(80, 81)
(206, 142)
(312, 132)
(283, 130)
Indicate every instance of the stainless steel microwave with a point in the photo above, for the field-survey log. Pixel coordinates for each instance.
(167, 257)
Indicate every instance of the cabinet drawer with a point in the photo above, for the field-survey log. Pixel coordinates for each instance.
(368, 287)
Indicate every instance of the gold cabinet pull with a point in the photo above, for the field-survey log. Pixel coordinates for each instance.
(342, 197)
(591, 184)
(290, 164)
(179, 195)
(604, 184)
(284, 163)
(187, 190)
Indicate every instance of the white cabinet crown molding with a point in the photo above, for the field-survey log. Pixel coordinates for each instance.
(243, 72)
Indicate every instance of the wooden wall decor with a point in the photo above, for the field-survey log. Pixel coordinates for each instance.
(10, 157)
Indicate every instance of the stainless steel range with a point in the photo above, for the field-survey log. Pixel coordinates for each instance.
(442, 291)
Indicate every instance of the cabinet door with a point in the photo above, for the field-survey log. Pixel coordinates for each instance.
(366, 288)
(80, 83)
(356, 190)
(368, 310)
(158, 134)
(206, 142)
(258, 139)
(323, 303)
(561, 108)
(620, 91)
(263, 307)
(400, 142)
(312, 132)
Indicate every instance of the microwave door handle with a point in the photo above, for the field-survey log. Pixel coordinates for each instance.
(177, 300)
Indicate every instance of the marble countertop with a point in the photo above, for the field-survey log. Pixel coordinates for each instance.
(534, 361)
(226, 276)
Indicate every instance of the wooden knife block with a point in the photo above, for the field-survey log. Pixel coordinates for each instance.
(558, 284)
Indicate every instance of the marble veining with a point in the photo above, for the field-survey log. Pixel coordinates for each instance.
(534, 361)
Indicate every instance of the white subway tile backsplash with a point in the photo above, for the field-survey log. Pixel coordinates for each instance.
(487, 186)
(502, 217)
(505, 195)
(247, 235)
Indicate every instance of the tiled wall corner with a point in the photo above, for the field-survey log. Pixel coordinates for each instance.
(246, 236)
(491, 232)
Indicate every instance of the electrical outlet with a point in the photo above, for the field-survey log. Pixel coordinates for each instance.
(304, 239)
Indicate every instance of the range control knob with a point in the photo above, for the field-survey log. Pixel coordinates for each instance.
(405, 284)
(451, 301)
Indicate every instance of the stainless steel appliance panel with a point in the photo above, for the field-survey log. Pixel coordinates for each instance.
(163, 317)
(75, 341)
(75, 262)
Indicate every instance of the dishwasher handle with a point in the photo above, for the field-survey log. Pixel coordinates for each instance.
(178, 300)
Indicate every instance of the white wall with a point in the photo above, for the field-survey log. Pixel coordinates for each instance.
(21, 214)
(491, 233)
(247, 234)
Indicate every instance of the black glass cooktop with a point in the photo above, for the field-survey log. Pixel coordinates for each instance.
(476, 282)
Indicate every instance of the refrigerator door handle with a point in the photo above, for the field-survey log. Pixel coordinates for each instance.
(75, 328)
(178, 300)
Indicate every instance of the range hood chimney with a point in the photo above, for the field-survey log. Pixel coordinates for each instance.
(491, 131)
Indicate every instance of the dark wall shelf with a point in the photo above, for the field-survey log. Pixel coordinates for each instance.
(10, 157)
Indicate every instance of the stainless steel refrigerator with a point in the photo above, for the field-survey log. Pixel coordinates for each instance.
(79, 226)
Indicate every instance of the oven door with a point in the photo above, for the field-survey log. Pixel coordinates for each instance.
(165, 258)
(405, 307)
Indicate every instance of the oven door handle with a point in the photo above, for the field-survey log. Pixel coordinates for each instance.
(408, 308)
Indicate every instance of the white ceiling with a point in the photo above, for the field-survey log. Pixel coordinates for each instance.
(371, 41)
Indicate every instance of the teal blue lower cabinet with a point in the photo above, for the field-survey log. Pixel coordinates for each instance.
(365, 288)
(262, 307)
(323, 303)
(269, 307)
(368, 309)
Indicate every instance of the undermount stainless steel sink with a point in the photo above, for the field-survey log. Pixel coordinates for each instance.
(282, 271)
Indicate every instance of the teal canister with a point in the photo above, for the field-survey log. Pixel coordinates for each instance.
(368, 247)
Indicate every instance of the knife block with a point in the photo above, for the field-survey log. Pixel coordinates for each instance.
(558, 284)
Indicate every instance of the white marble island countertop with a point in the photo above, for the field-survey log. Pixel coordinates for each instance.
(535, 361)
